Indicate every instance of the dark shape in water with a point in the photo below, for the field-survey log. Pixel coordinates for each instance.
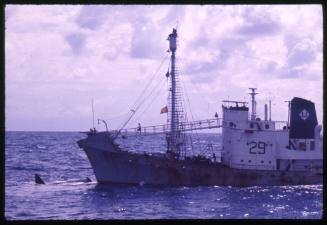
(87, 180)
(38, 179)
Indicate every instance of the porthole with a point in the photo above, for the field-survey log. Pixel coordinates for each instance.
(242, 160)
(249, 161)
(261, 161)
(269, 162)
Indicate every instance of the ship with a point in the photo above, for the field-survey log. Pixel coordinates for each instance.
(254, 151)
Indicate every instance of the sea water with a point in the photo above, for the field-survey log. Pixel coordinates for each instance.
(63, 166)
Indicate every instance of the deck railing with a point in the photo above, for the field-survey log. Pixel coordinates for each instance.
(187, 126)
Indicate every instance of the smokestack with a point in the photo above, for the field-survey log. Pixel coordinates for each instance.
(266, 112)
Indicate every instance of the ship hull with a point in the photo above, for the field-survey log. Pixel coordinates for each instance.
(131, 168)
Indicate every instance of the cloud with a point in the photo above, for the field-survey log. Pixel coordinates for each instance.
(93, 16)
(144, 42)
(107, 52)
(270, 67)
(259, 21)
(302, 61)
(203, 67)
(174, 15)
(76, 42)
(212, 55)
(148, 38)
(302, 53)
(259, 28)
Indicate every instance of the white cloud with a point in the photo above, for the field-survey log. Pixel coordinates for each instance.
(59, 57)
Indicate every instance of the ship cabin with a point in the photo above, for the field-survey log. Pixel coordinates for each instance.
(249, 142)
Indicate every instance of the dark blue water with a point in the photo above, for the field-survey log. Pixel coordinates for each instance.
(57, 158)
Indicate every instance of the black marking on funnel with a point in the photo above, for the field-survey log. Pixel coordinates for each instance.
(303, 119)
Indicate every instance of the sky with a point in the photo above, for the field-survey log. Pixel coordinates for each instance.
(60, 58)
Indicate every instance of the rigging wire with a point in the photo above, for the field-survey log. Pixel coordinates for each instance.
(136, 106)
(195, 133)
(150, 82)
(190, 109)
(149, 95)
(188, 101)
(184, 95)
(150, 103)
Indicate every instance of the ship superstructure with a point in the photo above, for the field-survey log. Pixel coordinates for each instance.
(254, 151)
(263, 144)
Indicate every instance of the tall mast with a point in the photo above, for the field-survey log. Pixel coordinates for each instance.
(172, 46)
(173, 144)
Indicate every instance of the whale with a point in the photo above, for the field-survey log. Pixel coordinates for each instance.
(87, 180)
(39, 180)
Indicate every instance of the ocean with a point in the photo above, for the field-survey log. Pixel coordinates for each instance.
(63, 166)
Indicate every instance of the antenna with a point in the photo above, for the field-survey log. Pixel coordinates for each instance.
(253, 93)
(93, 112)
(288, 114)
(269, 109)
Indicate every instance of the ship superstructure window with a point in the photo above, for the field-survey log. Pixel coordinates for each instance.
(267, 126)
(249, 161)
(251, 125)
(242, 160)
(312, 145)
(269, 162)
(262, 161)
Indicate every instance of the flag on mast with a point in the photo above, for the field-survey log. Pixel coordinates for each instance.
(164, 110)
